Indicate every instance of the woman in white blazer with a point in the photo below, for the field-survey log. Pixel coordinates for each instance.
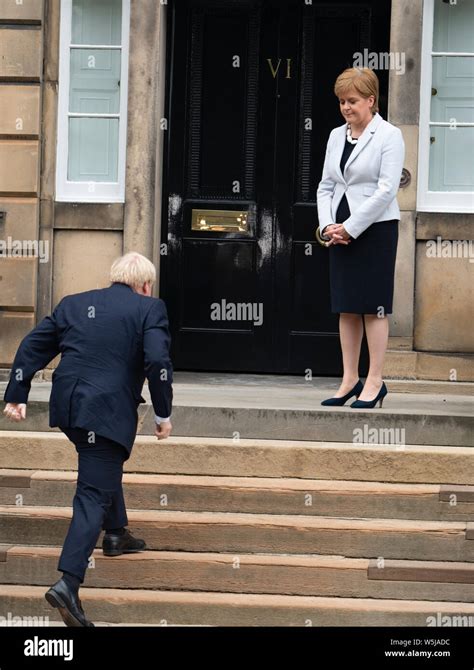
(358, 221)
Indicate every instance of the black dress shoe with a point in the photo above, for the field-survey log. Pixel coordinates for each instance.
(114, 545)
(60, 595)
(338, 402)
(370, 404)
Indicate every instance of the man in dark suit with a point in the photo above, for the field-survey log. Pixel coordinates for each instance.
(109, 340)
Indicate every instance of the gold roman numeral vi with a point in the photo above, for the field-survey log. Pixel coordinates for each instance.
(275, 71)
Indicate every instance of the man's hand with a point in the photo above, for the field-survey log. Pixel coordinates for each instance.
(163, 430)
(15, 411)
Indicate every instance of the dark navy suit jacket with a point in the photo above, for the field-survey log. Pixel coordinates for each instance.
(109, 340)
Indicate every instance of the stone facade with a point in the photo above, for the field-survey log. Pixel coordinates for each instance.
(432, 295)
(430, 327)
(21, 55)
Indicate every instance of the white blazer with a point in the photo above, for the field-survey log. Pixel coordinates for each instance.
(371, 176)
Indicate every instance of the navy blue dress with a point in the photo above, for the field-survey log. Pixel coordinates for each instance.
(362, 273)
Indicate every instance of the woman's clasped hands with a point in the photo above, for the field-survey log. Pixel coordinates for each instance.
(337, 234)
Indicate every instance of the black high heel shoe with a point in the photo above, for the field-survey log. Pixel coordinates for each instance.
(370, 404)
(337, 402)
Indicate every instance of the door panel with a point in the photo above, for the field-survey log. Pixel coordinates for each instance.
(251, 105)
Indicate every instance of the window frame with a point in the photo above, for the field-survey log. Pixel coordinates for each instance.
(433, 201)
(89, 191)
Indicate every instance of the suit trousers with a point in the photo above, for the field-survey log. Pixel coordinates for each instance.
(98, 503)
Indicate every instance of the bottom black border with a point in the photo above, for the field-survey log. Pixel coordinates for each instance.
(154, 645)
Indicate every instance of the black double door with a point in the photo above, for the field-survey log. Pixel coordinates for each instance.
(250, 105)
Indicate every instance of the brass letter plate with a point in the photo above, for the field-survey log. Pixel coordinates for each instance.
(219, 220)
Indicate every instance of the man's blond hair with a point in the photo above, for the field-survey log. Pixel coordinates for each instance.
(133, 269)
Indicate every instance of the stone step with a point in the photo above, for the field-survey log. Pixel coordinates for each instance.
(305, 575)
(289, 410)
(260, 533)
(266, 495)
(256, 458)
(239, 609)
(319, 385)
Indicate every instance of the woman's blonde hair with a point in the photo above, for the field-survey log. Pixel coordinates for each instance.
(363, 80)
(133, 269)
